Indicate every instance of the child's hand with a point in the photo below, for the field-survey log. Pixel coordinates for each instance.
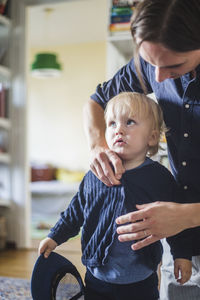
(47, 246)
(184, 268)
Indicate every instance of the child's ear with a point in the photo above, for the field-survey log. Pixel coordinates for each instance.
(154, 138)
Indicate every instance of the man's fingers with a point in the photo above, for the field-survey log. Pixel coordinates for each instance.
(134, 236)
(113, 174)
(135, 228)
(109, 173)
(102, 169)
(147, 241)
(131, 217)
(107, 166)
(98, 172)
(130, 237)
(117, 165)
(142, 206)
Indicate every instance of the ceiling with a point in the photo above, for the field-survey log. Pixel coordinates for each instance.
(67, 22)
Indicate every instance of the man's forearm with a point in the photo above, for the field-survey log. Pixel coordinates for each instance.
(94, 124)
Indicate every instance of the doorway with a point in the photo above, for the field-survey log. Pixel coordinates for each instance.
(57, 149)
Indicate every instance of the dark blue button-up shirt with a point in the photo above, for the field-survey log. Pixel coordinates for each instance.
(180, 102)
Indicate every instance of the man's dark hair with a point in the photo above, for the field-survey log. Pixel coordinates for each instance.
(173, 23)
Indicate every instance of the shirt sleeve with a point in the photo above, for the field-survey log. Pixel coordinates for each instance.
(181, 243)
(125, 80)
(71, 219)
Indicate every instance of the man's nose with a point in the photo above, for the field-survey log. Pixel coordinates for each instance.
(161, 74)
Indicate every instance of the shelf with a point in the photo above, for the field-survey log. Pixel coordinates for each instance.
(120, 36)
(5, 123)
(4, 158)
(4, 21)
(123, 42)
(5, 73)
(4, 202)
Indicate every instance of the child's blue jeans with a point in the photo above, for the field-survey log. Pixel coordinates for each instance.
(101, 290)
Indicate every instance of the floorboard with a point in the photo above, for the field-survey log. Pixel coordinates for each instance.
(20, 263)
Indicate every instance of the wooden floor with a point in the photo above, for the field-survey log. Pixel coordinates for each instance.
(20, 263)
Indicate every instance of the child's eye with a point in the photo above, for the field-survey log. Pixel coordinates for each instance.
(112, 124)
(130, 122)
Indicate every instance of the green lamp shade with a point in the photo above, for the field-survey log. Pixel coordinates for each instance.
(45, 65)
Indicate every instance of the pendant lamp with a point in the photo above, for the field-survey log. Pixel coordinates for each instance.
(45, 65)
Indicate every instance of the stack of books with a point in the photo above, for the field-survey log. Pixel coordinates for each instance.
(120, 16)
(4, 7)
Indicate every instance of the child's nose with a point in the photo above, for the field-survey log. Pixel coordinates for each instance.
(119, 130)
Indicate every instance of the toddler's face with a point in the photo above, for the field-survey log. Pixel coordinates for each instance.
(129, 137)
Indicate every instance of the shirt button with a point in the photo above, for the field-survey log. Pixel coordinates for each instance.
(187, 105)
(184, 163)
(185, 187)
(186, 134)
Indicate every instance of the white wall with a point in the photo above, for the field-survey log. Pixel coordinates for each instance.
(55, 124)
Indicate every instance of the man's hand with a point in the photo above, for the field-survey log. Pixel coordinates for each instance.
(182, 270)
(106, 165)
(151, 223)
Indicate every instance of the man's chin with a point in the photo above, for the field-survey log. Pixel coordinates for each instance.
(175, 77)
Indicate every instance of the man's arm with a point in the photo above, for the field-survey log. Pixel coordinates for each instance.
(105, 164)
(157, 220)
(103, 160)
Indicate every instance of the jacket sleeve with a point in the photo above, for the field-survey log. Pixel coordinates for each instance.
(71, 219)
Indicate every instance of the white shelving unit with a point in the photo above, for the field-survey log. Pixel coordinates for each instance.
(5, 122)
(4, 158)
(5, 21)
(120, 48)
(123, 43)
(5, 73)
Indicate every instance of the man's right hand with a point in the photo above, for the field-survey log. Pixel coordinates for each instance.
(106, 165)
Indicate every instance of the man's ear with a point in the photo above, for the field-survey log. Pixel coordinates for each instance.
(154, 138)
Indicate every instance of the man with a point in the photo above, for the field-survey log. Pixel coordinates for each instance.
(167, 63)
